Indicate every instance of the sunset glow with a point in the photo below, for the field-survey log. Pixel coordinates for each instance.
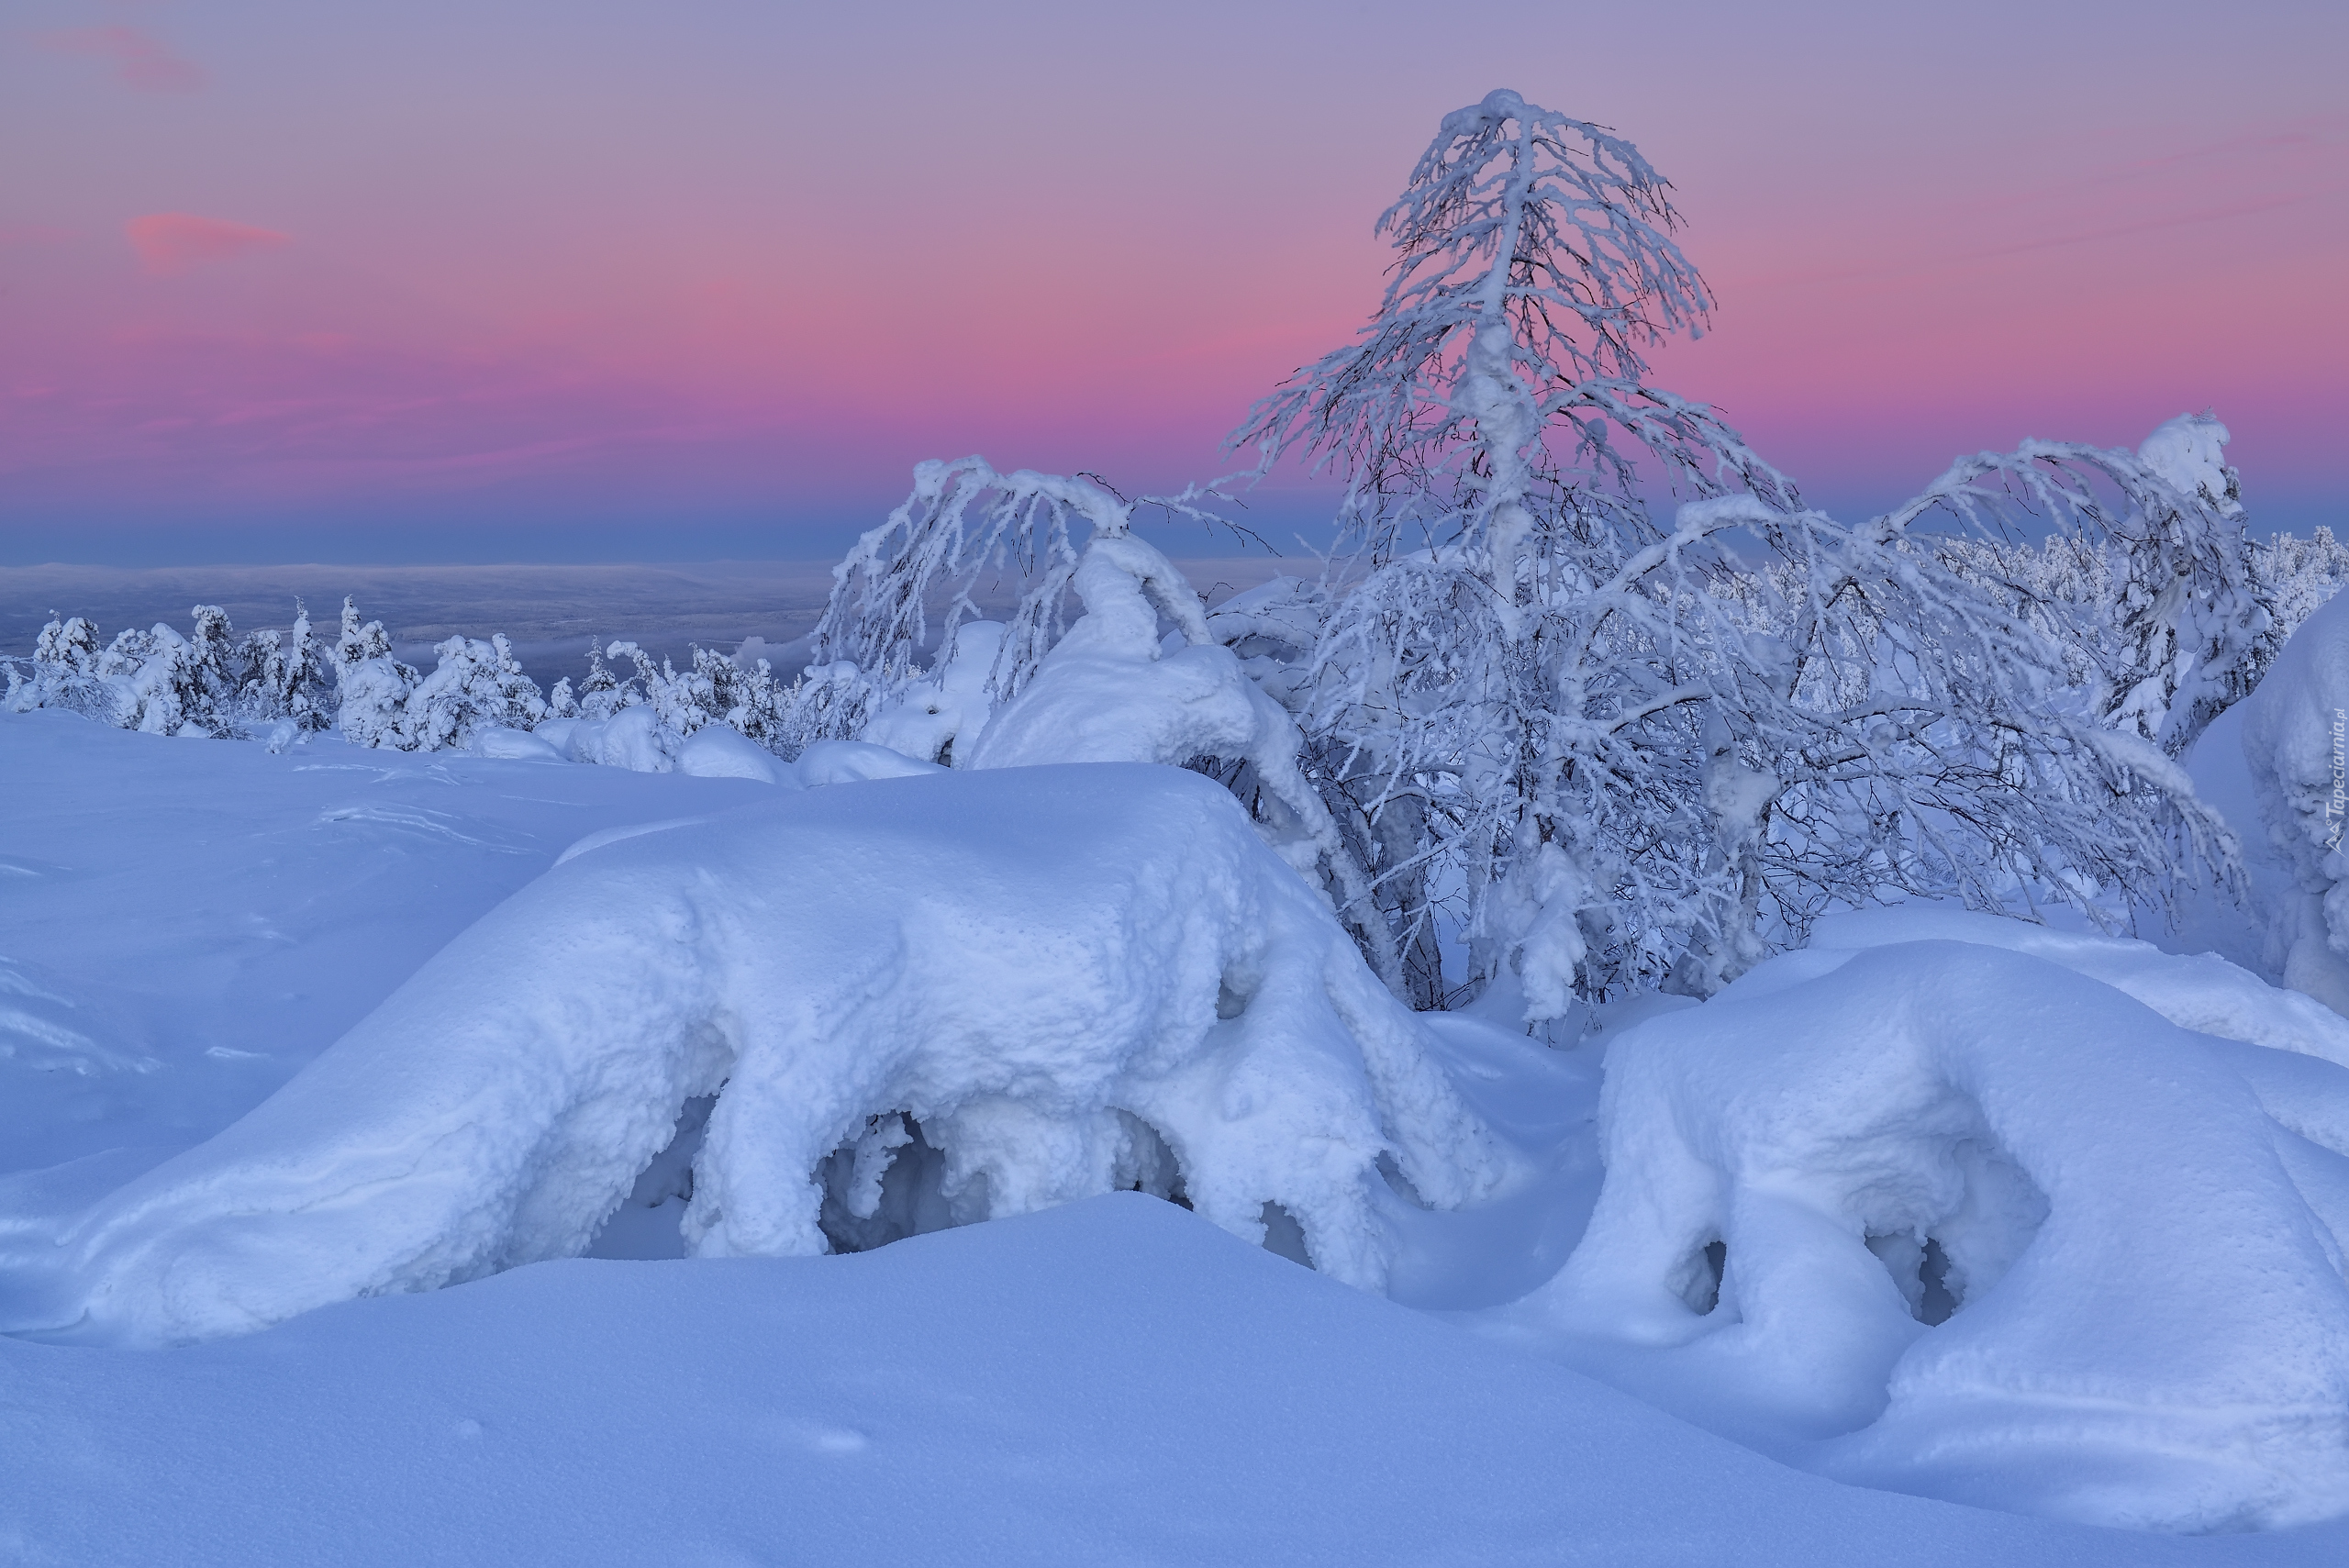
(602, 266)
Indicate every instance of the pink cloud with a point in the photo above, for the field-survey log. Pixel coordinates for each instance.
(141, 60)
(170, 242)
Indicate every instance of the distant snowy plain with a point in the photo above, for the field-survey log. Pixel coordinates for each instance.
(184, 926)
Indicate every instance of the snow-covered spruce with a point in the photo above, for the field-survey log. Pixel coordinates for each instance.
(1073, 979)
(2129, 1234)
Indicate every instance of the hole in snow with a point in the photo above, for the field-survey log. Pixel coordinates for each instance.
(1697, 1280)
(1937, 1301)
(1921, 1271)
(1285, 1235)
(1230, 1000)
(1400, 1183)
(881, 1185)
(1148, 1164)
(647, 1223)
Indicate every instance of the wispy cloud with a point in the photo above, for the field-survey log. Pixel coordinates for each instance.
(172, 242)
(141, 61)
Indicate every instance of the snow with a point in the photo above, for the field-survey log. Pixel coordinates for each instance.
(1986, 1228)
(852, 761)
(193, 924)
(2190, 453)
(944, 713)
(721, 751)
(2296, 742)
(1108, 691)
(1110, 1382)
(1076, 979)
(184, 926)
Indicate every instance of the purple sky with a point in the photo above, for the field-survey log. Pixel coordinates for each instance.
(583, 279)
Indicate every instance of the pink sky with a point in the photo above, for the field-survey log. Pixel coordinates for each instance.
(611, 271)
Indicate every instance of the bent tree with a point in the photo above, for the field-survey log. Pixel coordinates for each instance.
(1612, 742)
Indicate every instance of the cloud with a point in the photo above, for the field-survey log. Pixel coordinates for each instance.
(140, 60)
(172, 242)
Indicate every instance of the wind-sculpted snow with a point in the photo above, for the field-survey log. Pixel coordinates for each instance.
(1044, 984)
(1964, 1221)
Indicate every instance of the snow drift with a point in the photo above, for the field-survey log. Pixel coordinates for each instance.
(2295, 741)
(1954, 1219)
(1020, 986)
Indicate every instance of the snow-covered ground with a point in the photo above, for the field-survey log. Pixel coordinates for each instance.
(186, 925)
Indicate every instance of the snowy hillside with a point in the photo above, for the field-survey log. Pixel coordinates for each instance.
(1041, 1377)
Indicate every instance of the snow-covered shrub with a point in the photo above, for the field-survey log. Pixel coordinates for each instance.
(714, 690)
(601, 693)
(63, 674)
(1111, 688)
(287, 677)
(476, 685)
(632, 737)
(718, 750)
(155, 681)
(1072, 980)
(374, 687)
(1966, 1221)
(2299, 574)
(2296, 741)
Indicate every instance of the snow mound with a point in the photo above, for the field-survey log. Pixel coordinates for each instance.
(1962, 1221)
(633, 739)
(722, 751)
(1109, 692)
(1113, 690)
(2296, 742)
(854, 761)
(2203, 993)
(946, 711)
(1012, 988)
(502, 744)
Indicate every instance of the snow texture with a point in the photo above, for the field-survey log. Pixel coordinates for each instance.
(1953, 1216)
(2295, 741)
(1112, 1382)
(1073, 979)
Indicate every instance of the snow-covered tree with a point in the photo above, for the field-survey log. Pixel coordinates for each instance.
(63, 672)
(289, 676)
(476, 686)
(2300, 575)
(1140, 677)
(741, 697)
(374, 687)
(1627, 751)
(2175, 624)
